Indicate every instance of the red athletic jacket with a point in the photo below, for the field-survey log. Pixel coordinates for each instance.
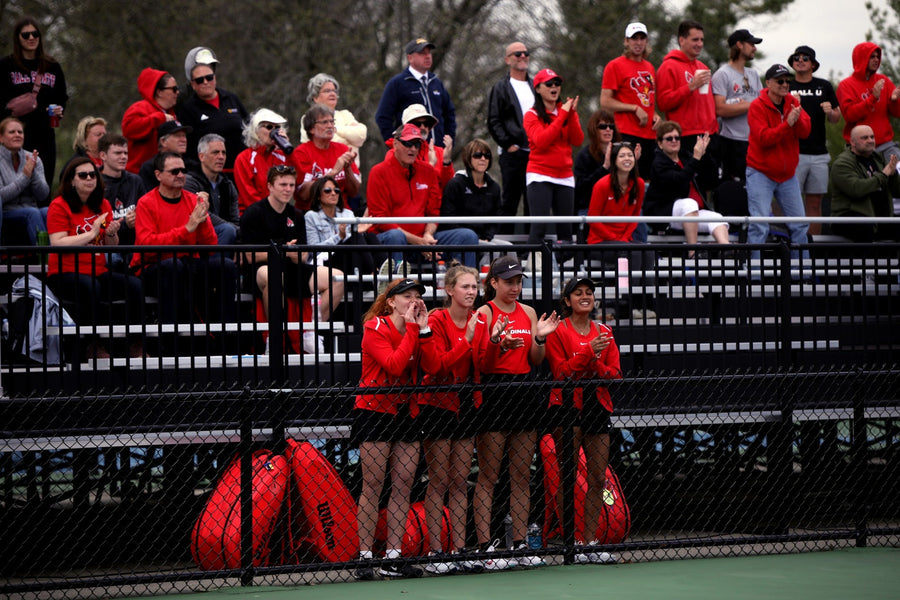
(604, 204)
(395, 191)
(448, 359)
(159, 223)
(858, 103)
(570, 356)
(551, 143)
(774, 145)
(141, 119)
(695, 112)
(388, 358)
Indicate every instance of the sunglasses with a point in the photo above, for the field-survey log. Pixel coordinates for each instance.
(520, 53)
(282, 169)
(782, 81)
(85, 175)
(553, 83)
(204, 78)
(331, 190)
(421, 123)
(623, 145)
(671, 138)
(27, 35)
(268, 126)
(411, 143)
(486, 155)
(176, 171)
(173, 88)
(801, 58)
(605, 126)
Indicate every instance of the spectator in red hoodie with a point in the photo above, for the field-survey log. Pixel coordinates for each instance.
(141, 120)
(553, 128)
(870, 98)
(683, 93)
(777, 124)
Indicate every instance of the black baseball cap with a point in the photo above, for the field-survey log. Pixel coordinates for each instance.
(417, 45)
(776, 71)
(742, 35)
(574, 283)
(406, 285)
(170, 127)
(506, 267)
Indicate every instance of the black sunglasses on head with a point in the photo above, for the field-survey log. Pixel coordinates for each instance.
(282, 169)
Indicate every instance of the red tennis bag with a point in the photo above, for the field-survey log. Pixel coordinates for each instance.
(322, 513)
(615, 516)
(416, 541)
(216, 538)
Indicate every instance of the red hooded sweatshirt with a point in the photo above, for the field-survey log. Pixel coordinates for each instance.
(774, 148)
(695, 112)
(141, 120)
(858, 103)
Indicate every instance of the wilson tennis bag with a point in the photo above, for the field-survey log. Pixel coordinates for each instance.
(216, 538)
(321, 511)
(614, 523)
(416, 541)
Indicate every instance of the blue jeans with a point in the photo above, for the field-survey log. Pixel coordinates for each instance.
(29, 218)
(448, 237)
(760, 190)
(227, 233)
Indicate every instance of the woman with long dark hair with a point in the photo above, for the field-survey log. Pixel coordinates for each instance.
(81, 216)
(592, 162)
(621, 194)
(511, 342)
(553, 128)
(326, 204)
(384, 425)
(29, 70)
(583, 349)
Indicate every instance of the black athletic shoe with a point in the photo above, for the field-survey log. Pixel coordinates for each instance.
(365, 574)
(400, 570)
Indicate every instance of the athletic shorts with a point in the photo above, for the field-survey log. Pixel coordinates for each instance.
(374, 426)
(812, 173)
(442, 424)
(594, 418)
(511, 409)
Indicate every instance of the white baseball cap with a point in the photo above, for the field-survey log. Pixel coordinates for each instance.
(634, 28)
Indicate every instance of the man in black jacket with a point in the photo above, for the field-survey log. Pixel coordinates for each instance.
(510, 98)
(223, 196)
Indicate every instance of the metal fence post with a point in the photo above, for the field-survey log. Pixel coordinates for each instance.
(245, 451)
(859, 464)
(276, 263)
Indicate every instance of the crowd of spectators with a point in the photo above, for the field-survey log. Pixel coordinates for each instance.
(675, 140)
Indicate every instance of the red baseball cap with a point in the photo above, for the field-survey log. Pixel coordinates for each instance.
(545, 75)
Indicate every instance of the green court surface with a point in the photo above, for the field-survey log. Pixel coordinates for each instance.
(845, 574)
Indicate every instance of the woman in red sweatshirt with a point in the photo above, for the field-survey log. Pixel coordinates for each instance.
(553, 128)
(140, 122)
(583, 349)
(384, 425)
(447, 417)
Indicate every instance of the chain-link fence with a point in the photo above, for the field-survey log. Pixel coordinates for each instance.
(756, 413)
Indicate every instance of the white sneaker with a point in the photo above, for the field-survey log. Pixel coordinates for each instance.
(402, 269)
(590, 556)
(385, 271)
(440, 568)
(498, 564)
(528, 561)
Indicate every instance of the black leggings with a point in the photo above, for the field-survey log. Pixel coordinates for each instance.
(545, 199)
